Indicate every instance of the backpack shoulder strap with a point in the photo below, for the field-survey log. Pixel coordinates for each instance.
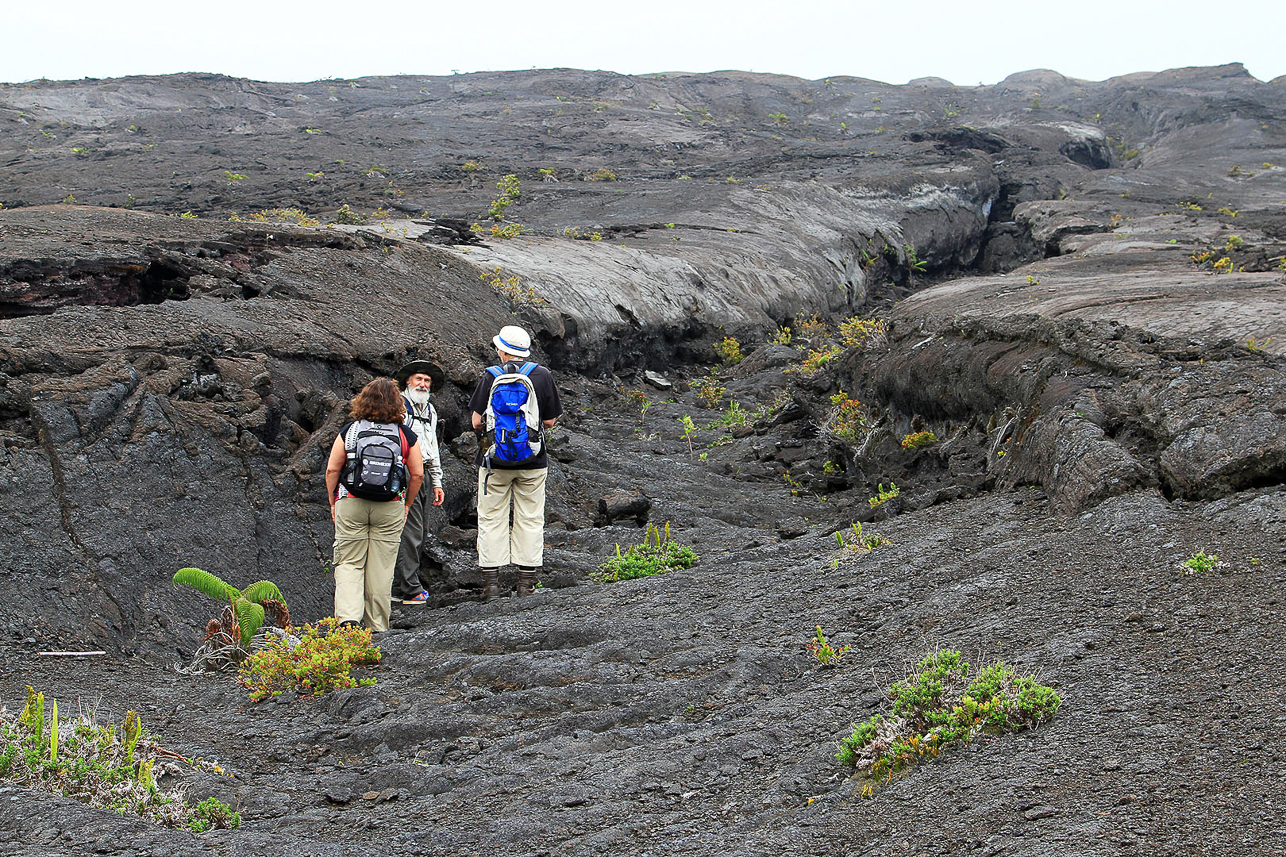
(527, 367)
(496, 371)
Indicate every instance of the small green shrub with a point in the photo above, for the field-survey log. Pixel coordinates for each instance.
(316, 662)
(1201, 562)
(821, 649)
(602, 174)
(937, 706)
(883, 495)
(709, 390)
(348, 216)
(656, 555)
(246, 610)
(861, 542)
(863, 332)
(512, 288)
(847, 418)
(729, 351)
(919, 439)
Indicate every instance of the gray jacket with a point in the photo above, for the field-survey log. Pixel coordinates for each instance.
(424, 422)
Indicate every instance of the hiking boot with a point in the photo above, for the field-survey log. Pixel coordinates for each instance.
(421, 598)
(490, 583)
(526, 582)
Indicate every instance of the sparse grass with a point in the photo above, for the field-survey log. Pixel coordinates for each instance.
(277, 215)
(511, 288)
(656, 555)
(109, 766)
(938, 706)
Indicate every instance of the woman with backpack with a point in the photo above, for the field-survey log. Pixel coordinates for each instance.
(373, 474)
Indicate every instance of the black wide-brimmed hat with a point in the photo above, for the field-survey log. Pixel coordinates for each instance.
(426, 367)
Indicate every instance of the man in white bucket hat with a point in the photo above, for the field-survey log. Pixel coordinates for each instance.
(514, 404)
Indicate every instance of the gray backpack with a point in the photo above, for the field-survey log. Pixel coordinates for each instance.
(376, 464)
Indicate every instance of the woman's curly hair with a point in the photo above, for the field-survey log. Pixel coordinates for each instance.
(380, 402)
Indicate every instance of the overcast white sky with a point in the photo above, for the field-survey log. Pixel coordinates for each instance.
(965, 42)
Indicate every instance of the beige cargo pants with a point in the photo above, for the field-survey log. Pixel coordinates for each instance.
(367, 536)
(499, 543)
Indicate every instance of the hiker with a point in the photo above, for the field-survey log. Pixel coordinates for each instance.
(417, 379)
(373, 474)
(517, 402)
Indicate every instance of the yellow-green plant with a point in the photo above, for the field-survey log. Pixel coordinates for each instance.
(847, 418)
(729, 350)
(863, 332)
(883, 495)
(512, 288)
(602, 174)
(938, 706)
(657, 555)
(509, 193)
(102, 766)
(919, 439)
(318, 662)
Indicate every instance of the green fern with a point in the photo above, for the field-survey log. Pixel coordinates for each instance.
(246, 606)
(261, 590)
(206, 583)
(249, 619)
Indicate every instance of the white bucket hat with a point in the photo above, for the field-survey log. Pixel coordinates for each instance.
(513, 340)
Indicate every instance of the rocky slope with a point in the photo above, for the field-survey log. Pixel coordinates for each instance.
(1089, 316)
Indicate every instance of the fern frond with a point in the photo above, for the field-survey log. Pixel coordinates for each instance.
(261, 590)
(206, 583)
(249, 618)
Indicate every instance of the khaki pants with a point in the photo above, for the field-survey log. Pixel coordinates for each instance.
(523, 543)
(367, 534)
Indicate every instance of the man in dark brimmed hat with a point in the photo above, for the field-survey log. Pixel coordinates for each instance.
(417, 379)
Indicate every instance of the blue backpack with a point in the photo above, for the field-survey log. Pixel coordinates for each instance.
(513, 415)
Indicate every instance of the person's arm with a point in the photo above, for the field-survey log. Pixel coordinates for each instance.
(415, 472)
(477, 421)
(334, 465)
(433, 460)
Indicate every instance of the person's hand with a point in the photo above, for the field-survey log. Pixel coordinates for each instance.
(406, 511)
(332, 513)
(438, 496)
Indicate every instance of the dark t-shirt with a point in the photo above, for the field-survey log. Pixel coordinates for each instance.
(546, 399)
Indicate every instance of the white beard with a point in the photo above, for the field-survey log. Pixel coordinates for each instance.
(418, 397)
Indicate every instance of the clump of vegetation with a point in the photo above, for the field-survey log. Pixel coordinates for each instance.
(641, 400)
(657, 555)
(106, 766)
(813, 328)
(781, 337)
(348, 216)
(1202, 562)
(847, 418)
(860, 542)
(735, 415)
(919, 439)
(509, 193)
(709, 390)
(1257, 346)
(821, 649)
(689, 431)
(227, 637)
(729, 351)
(937, 706)
(602, 174)
(512, 288)
(816, 360)
(883, 495)
(863, 332)
(316, 662)
(233, 177)
(276, 215)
